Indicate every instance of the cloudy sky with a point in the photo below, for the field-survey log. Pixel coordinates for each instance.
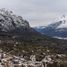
(37, 12)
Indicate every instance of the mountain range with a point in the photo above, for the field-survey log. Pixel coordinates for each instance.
(15, 27)
(17, 35)
(57, 29)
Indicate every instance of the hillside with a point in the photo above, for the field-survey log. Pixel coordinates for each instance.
(17, 35)
(57, 29)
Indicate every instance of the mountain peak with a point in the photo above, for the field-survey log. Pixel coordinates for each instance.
(10, 21)
(63, 19)
(5, 11)
(57, 29)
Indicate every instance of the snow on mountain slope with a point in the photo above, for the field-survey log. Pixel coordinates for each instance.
(64, 22)
(15, 27)
(9, 21)
(57, 29)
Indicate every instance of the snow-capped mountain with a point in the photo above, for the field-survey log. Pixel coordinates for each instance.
(13, 26)
(57, 29)
(9, 21)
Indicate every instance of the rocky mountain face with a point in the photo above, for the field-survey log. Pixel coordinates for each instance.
(13, 26)
(55, 30)
(10, 22)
